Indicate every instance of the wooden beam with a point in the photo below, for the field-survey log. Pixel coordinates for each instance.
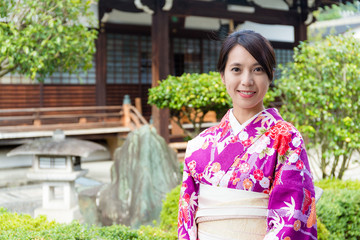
(219, 10)
(160, 64)
(300, 33)
(100, 69)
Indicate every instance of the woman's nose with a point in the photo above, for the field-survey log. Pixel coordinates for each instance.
(247, 79)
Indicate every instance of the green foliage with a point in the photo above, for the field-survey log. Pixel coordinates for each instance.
(169, 212)
(21, 226)
(41, 37)
(323, 233)
(338, 184)
(319, 91)
(192, 96)
(339, 210)
(335, 11)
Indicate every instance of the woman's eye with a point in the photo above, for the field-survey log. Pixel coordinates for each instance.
(235, 69)
(258, 69)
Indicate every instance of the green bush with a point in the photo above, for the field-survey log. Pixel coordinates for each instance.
(169, 212)
(338, 184)
(191, 96)
(22, 226)
(323, 233)
(339, 209)
(319, 94)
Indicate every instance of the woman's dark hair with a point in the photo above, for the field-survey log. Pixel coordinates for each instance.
(258, 46)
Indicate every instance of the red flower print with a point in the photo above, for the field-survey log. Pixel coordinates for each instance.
(191, 165)
(200, 176)
(266, 191)
(233, 176)
(244, 167)
(299, 164)
(187, 198)
(280, 128)
(246, 142)
(234, 139)
(281, 133)
(297, 151)
(247, 184)
(281, 143)
(258, 174)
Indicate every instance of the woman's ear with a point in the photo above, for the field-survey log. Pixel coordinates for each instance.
(222, 75)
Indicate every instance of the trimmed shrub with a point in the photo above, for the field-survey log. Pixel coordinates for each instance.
(22, 226)
(169, 212)
(339, 209)
(323, 233)
(338, 184)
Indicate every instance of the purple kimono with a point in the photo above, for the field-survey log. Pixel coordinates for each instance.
(268, 156)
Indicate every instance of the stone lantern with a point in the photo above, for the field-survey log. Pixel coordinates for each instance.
(57, 163)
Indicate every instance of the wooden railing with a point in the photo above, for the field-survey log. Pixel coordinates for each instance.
(71, 117)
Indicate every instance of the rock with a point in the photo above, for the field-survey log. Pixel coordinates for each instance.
(145, 169)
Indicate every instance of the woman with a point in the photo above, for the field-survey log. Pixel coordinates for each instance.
(249, 176)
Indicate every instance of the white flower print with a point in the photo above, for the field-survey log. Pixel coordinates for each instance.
(260, 145)
(265, 183)
(290, 208)
(217, 177)
(225, 179)
(243, 136)
(278, 224)
(193, 201)
(293, 158)
(296, 141)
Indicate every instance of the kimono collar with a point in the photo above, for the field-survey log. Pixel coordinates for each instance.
(236, 126)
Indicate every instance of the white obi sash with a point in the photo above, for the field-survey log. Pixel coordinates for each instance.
(225, 213)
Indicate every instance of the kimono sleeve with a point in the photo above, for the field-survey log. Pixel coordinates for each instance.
(291, 210)
(188, 203)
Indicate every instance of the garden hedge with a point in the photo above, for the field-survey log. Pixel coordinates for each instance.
(338, 218)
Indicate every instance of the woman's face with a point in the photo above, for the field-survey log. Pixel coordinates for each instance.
(246, 81)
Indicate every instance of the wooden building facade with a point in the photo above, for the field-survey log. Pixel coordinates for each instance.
(133, 54)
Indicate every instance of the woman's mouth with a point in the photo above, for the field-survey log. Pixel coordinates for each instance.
(246, 94)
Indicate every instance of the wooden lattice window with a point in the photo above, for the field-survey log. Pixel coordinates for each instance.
(283, 56)
(128, 59)
(211, 50)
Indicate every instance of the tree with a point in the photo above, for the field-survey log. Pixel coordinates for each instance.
(337, 11)
(191, 96)
(320, 95)
(38, 38)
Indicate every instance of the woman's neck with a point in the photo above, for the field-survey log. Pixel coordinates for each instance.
(242, 115)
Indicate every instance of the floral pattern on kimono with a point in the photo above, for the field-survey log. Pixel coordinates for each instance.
(267, 156)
